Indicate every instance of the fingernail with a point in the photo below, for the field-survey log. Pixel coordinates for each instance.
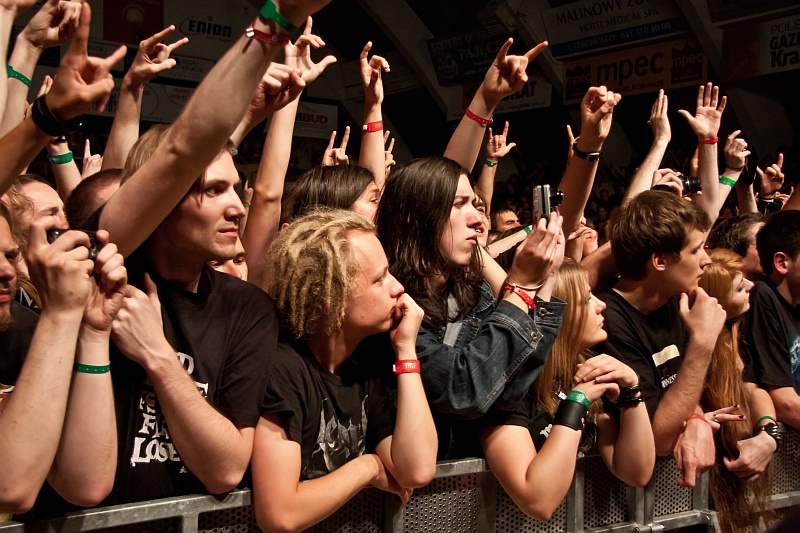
(741, 417)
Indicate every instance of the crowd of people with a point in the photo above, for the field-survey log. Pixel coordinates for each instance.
(165, 332)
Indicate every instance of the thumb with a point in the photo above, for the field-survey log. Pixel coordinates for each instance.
(152, 293)
(685, 114)
(684, 304)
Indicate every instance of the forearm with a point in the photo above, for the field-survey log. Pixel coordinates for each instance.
(493, 273)
(67, 175)
(745, 198)
(30, 425)
(19, 147)
(465, 144)
(576, 184)
(634, 454)
(708, 172)
(90, 430)
(682, 398)
(125, 128)
(6, 23)
(599, 265)
(209, 444)
(23, 58)
(371, 156)
(485, 184)
(642, 179)
(794, 200)
(265, 208)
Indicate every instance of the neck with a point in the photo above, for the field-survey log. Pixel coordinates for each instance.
(182, 272)
(784, 289)
(333, 350)
(645, 295)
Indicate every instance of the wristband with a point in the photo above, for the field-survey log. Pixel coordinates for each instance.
(479, 119)
(725, 180)
(91, 369)
(18, 75)
(694, 417)
(629, 402)
(267, 38)
(570, 414)
(627, 393)
(48, 122)
(766, 417)
(712, 140)
(371, 127)
(522, 294)
(591, 157)
(517, 285)
(578, 396)
(528, 229)
(60, 159)
(406, 366)
(490, 163)
(270, 12)
(773, 430)
(245, 204)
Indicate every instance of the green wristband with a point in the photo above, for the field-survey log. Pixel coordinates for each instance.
(245, 204)
(725, 180)
(17, 76)
(579, 397)
(765, 417)
(490, 163)
(60, 159)
(528, 229)
(91, 369)
(270, 12)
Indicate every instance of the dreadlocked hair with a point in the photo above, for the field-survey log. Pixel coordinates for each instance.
(733, 498)
(311, 267)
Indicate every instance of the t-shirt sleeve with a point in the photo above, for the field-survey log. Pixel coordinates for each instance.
(286, 391)
(766, 347)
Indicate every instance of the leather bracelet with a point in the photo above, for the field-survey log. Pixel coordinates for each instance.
(591, 157)
(571, 414)
(48, 122)
(479, 119)
(628, 402)
(406, 366)
(627, 393)
(773, 430)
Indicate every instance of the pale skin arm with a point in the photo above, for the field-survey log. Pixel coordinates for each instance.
(492, 272)
(211, 446)
(662, 133)
(151, 59)
(787, 405)
(197, 136)
(756, 452)
(599, 265)
(372, 155)
(736, 153)
(506, 76)
(496, 149)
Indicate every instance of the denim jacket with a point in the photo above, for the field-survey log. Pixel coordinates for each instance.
(495, 358)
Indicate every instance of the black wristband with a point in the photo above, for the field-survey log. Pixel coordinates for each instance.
(571, 414)
(773, 430)
(48, 122)
(628, 393)
(628, 402)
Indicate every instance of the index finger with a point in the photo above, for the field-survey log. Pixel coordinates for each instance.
(177, 44)
(365, 50)
(536, 50)
(332, 140)
(391, 146)
(87, 151)
(309, 24)
(345, 138)
(780, 161)
(158, 37)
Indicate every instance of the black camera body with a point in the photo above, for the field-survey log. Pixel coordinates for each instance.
(690, 185)
(546, 200)
(53, 234)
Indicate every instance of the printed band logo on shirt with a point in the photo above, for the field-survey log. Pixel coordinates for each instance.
(670, 352)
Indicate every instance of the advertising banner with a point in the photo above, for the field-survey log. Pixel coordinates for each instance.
(765, 48)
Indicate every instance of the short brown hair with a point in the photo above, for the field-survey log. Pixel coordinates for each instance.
(653, 222)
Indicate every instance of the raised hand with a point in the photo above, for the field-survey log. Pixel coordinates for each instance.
(92, 163)
(298, 55)
(17, 7)
(371, 70)
(597, 108)
(771, 179)
(705, 122)
(336, 156)
(496, 147)
(659, 122)
(736, 151)
(54, 24)
(279, 86)
(507, 74)
(107, 294)
(668, 177)
(388, 156)
(540, 253)
(153, 57)
(82, 80)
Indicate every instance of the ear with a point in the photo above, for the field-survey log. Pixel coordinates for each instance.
(284, 226)
(781, 263)
(659, 261)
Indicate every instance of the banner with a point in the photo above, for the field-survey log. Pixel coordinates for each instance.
(726, 11)
(594, 25)
(640, 70)
(765, 48)
(316, 121)
(466, 57)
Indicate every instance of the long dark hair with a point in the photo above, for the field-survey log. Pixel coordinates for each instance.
(412, 216)
(336, 187)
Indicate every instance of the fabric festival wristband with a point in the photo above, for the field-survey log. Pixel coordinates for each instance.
(490, 163)
(578, 396)
(268, 38)
(712, 140)
(406, 366)
(91, 369)
(765, 417)
(270, 12)
(371, 127)
(479, 119)
(528, 229)
(60, 159)
(245, 204)
(17, 75)
(725, 180)
(522, 294)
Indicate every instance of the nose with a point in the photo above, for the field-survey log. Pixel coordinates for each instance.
(474, 217)
(704, 259)
(236, 209)
(229, 268)
(61, 218)
(600, 305)
(747, 284)
(397, 288)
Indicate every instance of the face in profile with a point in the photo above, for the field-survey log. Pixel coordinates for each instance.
(593, 332)
(683, 274)
(738, 298)
(9, 254)
(367, 203)
(461, 234)
(236, 267)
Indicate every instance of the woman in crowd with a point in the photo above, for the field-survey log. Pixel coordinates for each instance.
(328, 428)
(744, 450)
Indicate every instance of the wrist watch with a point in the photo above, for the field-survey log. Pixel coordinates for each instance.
(591, 157)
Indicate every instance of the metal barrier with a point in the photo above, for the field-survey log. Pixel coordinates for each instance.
(463, 497)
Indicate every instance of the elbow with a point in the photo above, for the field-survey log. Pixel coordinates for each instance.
(272, 522)
(417, 477)
(223, 482)
(542, 511)
(17, 500)
(638, 479)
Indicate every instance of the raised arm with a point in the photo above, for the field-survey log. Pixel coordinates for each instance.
(53, 25)
(152, 58)
(372, 155)
(662, 133)
(705, 124)
(597, 109)
(505, 77)
(496, 149)
(8, 11)
(736, 153)
(199, 134)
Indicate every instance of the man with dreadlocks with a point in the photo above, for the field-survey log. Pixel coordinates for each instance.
(327, 420)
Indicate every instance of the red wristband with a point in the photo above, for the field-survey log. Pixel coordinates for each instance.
(406, 366)
(479, 119)
(713, 140)
(276, 40)
(371, 127)
(522, 294)
(694, 417)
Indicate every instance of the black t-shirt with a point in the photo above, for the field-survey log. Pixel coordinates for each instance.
(334, 417)
(651, 344)
(770, 344)
(14, 343)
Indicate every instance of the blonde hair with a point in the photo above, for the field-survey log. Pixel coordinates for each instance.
(311, 267)
(725, 387)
